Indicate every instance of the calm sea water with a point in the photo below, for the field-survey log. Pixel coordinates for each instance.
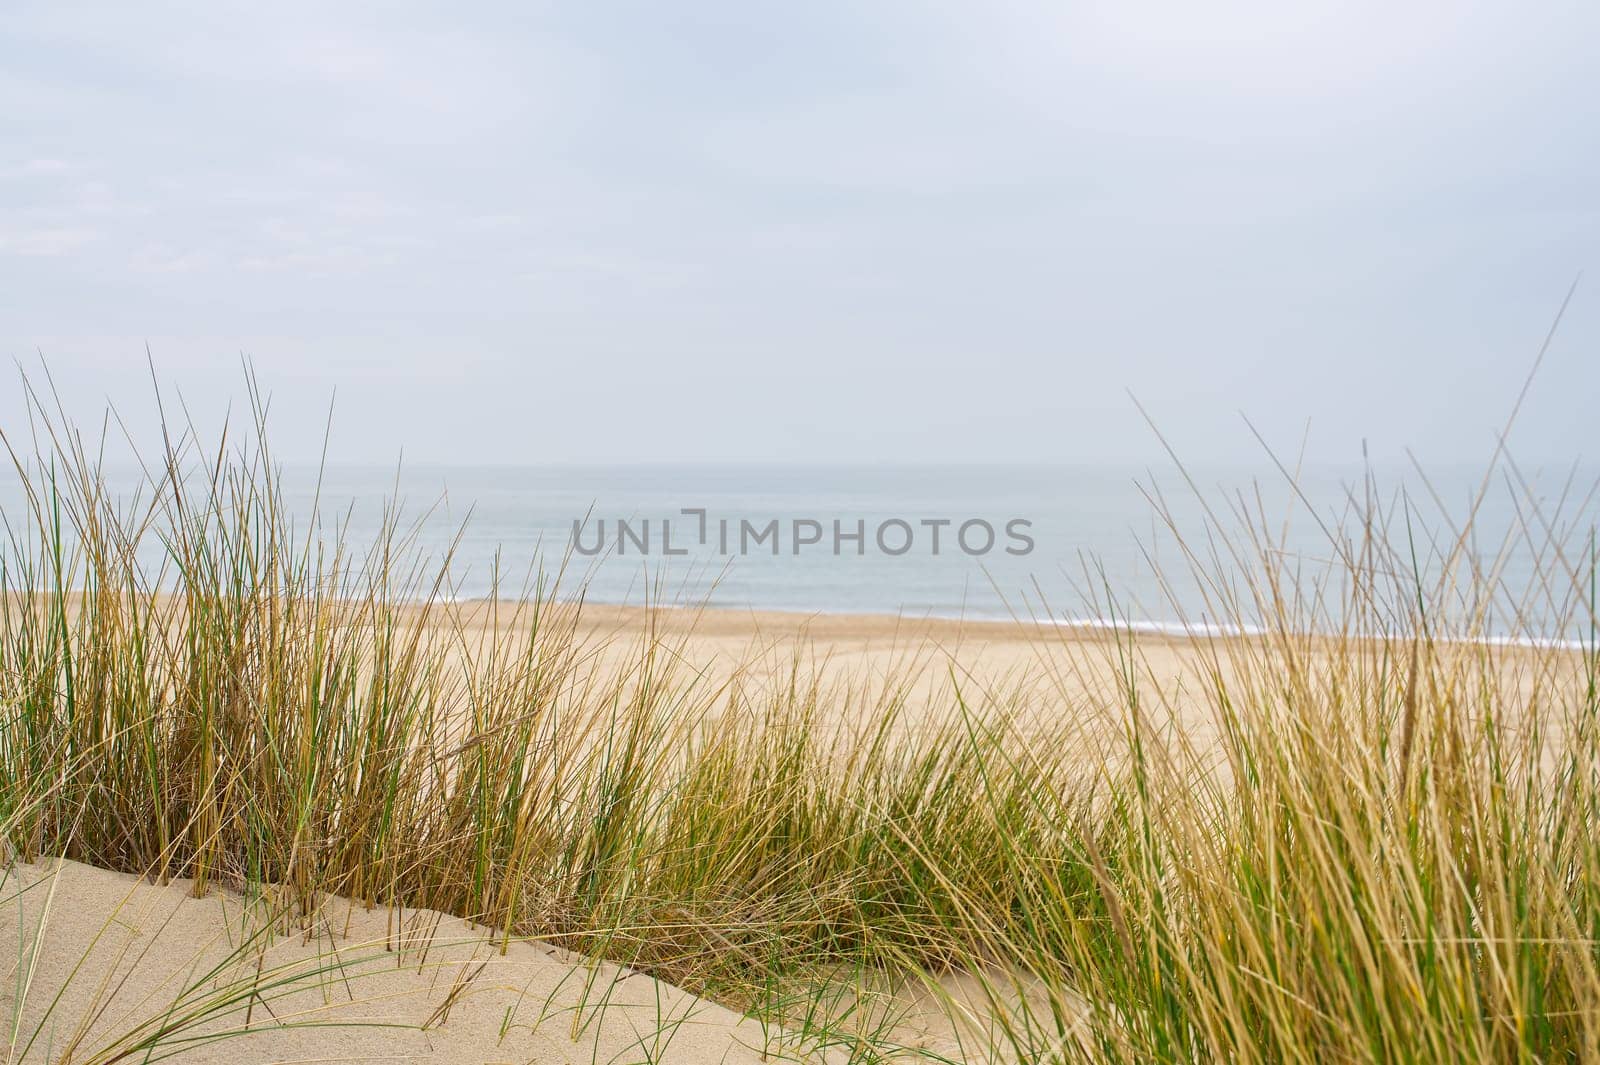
(1101, 541)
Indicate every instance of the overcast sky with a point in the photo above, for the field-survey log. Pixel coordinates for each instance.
(822, 232)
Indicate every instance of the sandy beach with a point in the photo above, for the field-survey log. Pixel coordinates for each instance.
(1021, 662)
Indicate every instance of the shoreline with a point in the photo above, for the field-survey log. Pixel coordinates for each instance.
(724, 620)
(712, 619)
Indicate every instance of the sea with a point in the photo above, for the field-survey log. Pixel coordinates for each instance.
(1179, 549)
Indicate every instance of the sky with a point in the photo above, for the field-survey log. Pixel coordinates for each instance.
(831, 232)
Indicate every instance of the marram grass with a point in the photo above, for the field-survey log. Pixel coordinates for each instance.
(1365, 834)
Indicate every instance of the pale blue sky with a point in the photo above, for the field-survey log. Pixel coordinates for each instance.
(822, 232)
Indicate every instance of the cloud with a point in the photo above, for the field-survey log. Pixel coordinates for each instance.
(35, 168)
(48, 242)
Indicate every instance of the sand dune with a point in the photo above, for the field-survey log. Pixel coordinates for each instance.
(106, 953)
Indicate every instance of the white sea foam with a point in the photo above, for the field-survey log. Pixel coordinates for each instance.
(1205, 629)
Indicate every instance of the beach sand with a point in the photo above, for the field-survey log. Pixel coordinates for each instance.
(108, 958)
(368, 985)
(1029, 667)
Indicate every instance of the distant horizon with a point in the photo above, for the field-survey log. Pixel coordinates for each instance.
(1265, 464)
